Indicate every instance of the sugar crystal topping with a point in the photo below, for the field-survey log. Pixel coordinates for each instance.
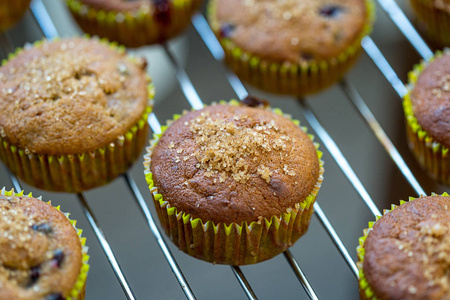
(227, 146)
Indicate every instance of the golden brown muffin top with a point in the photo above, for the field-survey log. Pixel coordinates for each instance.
(431, 99)
(407, 253)
(70, 96)
(40, 251)
(291, 30)
(234, 163)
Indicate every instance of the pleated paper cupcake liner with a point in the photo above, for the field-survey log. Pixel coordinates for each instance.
(11, 11)
(431, 155)
(81, 171)
(290, 78)
(134, 29)
(434, 22)
(365, 291)
(78, 290)
(233, 244)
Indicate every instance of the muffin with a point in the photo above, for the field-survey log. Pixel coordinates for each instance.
(133, 23)
(291, 47)
(405, 254)
(74, 113)
(433, 18)
(42, 254)
(427, 113)
(12, 11)
(234, 184)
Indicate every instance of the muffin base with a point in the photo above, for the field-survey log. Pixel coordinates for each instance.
(133, 29)
(11, 12)
(433, 22)
(431, 155)
(233, 244)
(79, 288)
(289, 78)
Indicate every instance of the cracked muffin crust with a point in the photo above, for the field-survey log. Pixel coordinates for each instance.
(232, 164)
(40, 251)
(407, 251)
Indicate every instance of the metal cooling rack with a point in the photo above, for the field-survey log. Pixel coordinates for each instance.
(201, 26)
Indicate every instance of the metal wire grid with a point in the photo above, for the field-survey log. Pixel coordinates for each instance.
(396, 15)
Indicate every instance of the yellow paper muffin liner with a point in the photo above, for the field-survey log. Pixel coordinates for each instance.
(289, 78)
(11, 11)
(365, 291)
(79, 171)
(434, 22)
(431, 155)
(78, 290)
(133, 29)
(233, 244)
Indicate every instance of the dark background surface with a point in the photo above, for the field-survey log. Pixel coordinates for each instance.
(137, 250)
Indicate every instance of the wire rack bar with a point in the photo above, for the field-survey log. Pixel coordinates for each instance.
(244, 283)
(106, 247)
(339, 157)
(156, 233)
(42, 17)
(15, 182)
(335, 237)
(187, 87)
(381, 135)
(401, 21)
(300, 275)
(380, 61)
(49, 30)
(211, 42)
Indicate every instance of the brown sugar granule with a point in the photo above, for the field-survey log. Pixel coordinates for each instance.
(410, 248)
(226, 146)
(237, 164)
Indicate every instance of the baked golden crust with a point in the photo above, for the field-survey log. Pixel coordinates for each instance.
(70, 96)
(407, 253)
(40, 251)
(232, 164)
(430, 99)
(292, 30)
